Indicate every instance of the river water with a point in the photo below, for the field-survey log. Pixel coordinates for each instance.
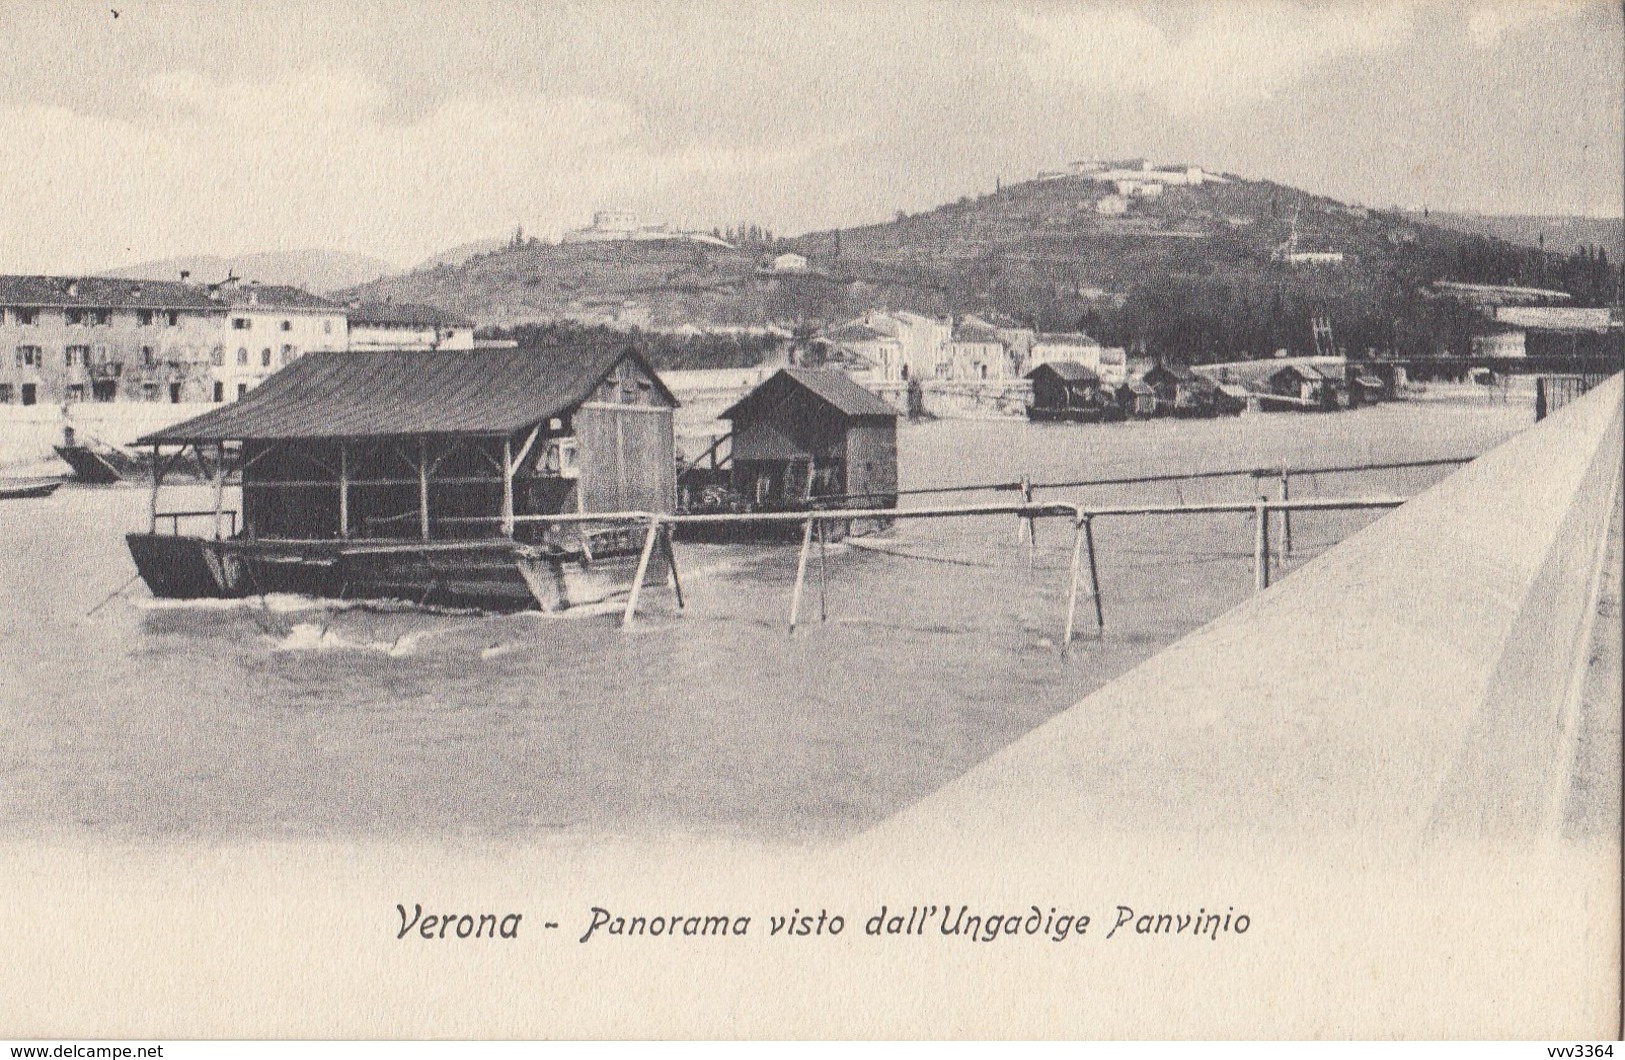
(129, 719)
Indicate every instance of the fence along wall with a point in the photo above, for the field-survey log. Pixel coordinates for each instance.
(1372, 692)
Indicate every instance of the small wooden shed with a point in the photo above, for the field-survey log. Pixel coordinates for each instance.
(809, 433)
(1066, 390)
(1309, 385)
(1137, 399)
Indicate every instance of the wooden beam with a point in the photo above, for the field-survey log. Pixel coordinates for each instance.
(1286, 515)
(423, 487)
(344, 489)
(1072, 586)
(219, 488)
(801, 573)
(671, 563)
(1261, 547)
(823, 564)
(643, 570)
(1094, 572)
(507, 487)
(157, 480)
(524, 450)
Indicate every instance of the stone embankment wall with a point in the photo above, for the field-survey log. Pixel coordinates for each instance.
(1417, 683)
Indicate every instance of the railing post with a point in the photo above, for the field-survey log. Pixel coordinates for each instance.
(1072, 585)
(1286, 515)
(1261, 546)
(643, 570)
(671, 564)
(823, 564)
(1032, 524)
(801, 572)
(1094, 573)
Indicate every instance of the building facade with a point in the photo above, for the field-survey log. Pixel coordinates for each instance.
(270, 327)
(397, 326)
(65, 339)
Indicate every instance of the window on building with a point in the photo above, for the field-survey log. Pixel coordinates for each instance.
(242, 388)
(5, 394)
(144, 317)
(174, 393)
(241, 323)
(30, 356)
(148, 356)
(327, 327)
(76, 392)
(27, 317)
(74, 316)
(287, 325)
(265, 357)
(30, 393)
(76, 355)
(101, 354)
(219, 390)
(101, 317)
(172, 318)
(217, 356)
(242, 355)
(287, 354)
(149, 391)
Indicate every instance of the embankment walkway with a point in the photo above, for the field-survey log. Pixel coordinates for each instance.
(1420, 681)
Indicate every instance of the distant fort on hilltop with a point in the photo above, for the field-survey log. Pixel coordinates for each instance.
(613, 226)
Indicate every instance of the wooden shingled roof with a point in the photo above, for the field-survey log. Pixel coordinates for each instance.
(402, 394)
(834, 388)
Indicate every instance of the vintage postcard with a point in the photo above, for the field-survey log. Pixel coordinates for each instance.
(811, 520)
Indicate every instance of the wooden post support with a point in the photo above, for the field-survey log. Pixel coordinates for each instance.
(157, 480)
(1094, 573)
(1072, 588)
(1261, 546)
(1286, 516)
(801, 573)
(823, 564)
(507, 486)
(1030, 530)
(643, 570)
(671, 565)
(344, 489)
(219, 489)
(423, 487)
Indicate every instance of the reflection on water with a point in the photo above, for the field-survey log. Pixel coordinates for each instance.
(142, 719)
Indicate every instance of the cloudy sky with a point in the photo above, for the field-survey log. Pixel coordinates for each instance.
(399, 129)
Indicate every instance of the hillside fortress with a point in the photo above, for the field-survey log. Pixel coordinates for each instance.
(612, 226)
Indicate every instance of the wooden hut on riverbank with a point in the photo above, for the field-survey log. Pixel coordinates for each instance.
(1067, 390)
(423, 475)
(806, 436)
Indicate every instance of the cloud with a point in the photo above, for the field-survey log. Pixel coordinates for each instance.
(1489, 23)
(312, 159)
(1231, 54)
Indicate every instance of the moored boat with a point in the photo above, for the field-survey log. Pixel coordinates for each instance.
(499, 479)
(12, 491)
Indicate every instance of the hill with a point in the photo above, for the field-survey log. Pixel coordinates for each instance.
(1191, 274)
(1561, 235)
(461, 253)
(319, 271)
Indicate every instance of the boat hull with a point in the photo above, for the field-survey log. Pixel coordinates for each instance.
(496, 575)
(23, 491)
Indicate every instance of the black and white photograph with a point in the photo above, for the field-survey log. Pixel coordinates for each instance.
(783, 520)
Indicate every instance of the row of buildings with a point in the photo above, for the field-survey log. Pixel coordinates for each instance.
(71, 339)
(898, 346)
